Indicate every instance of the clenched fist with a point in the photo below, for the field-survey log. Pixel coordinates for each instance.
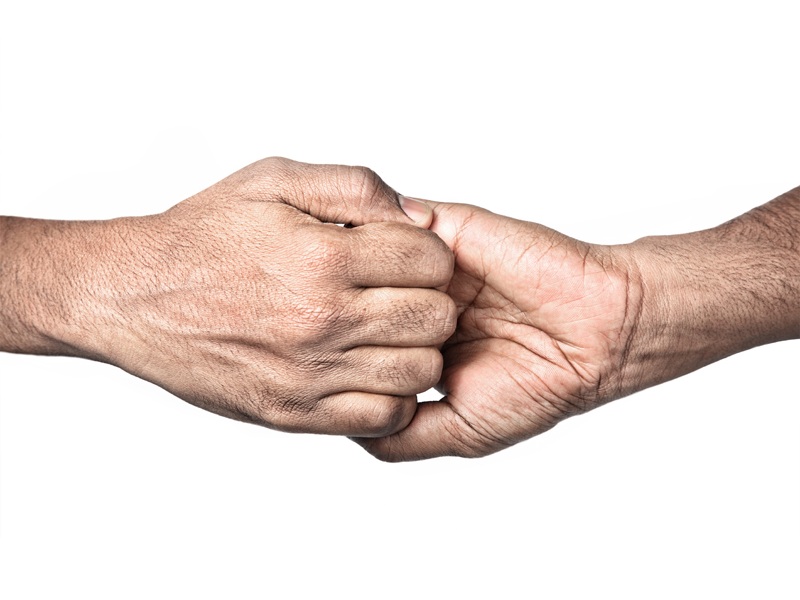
(247, 299)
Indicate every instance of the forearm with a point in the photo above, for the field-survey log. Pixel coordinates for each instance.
(45, 283)
(710, 294)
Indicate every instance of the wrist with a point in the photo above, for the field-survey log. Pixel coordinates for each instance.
(672, 333)
(32, 302)
(50, 285)
(708, 295)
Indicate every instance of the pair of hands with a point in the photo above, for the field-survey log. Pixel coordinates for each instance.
(249, 301)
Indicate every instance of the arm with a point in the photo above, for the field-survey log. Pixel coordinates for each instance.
(245, 299)
(551, 327)
(44, 264)
(713, 293)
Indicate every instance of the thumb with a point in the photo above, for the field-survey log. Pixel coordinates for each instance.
(339, 194)
(477, 237)
(417, 210)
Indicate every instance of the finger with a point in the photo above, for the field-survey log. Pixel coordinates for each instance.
(361, 414)
(436, 430)
(402, 317)
(389, 371)
(341, 194)
(418, 210)
(394, 255)
(348, 413)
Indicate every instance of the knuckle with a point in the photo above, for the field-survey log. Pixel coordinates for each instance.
(417, 374)
(430, 254)
(287, 412)
(420, 318)
(391, 417)
(365, 184)
(260, 180)
(324, 251)
(432, 368)
(319, 305)
(317, 367)
(279, 178)
(394, 372)
(314, 319)
(451, 320)
(365, 181)
(398, 243)
(442, 260)
(272, 162)
(432, 315)
(446, 317)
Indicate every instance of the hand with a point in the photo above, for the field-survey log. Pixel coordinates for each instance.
(247, 301)
(551, 327)
(542, 334)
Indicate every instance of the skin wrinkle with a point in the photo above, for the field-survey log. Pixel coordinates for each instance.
(412, 314)
(557, 346)
(463, 431)
(211, 301)
(547, 412)
(585, 299)
(456, 242)
(586, 323)
(585, 378)
(602, 309)
(524, 368)
(632, 330)
(741, 308)
(528, 247)
(349, 313)
(509, 302)
(371, 187)
(458, 275)
(566, 366)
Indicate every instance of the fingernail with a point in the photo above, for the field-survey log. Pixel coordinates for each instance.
(416, 210)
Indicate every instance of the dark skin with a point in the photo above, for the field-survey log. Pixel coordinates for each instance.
(551, 327)
(247, 301)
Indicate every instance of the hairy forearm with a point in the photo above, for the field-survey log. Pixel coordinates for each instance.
(45, 278)
(713, 293)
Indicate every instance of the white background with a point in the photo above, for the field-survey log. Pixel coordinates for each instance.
(606, 120)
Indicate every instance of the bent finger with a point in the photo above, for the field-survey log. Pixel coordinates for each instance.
(436, 430)
(403, 317)
(396, 255)
(362, 414)
(390, 371)
(339, 193)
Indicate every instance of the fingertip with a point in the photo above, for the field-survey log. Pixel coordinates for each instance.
(417, 210)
